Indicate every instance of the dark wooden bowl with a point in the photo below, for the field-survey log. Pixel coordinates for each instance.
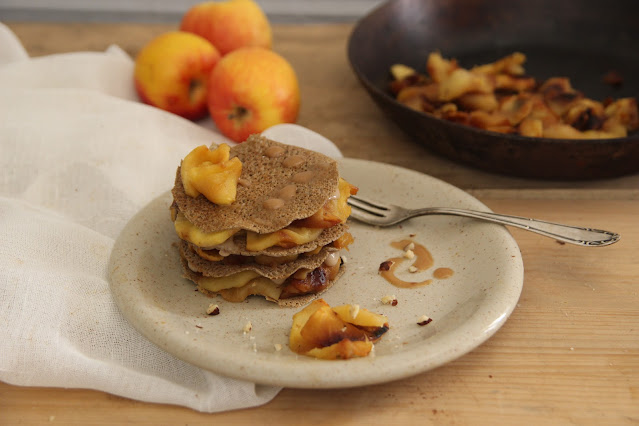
(582, 40)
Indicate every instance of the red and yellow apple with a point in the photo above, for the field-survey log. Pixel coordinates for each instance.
(250, 90)
(172, 72)
(229, 25)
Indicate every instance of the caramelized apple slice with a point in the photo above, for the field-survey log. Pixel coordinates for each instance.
(335, 211)
(344, 241)
(295, 340)
(362, 318)
(259, 286)
(325, 328)
(288, 237)
(344, 349)
(211, 173)
(401, 71)
(189, 232)
(322, 332)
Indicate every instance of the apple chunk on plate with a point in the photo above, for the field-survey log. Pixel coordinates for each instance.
(335, 333)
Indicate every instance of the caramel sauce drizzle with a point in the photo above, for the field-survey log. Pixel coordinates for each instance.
(443, 273)
(274, 151)
(293, 161)
(423, 260)
(390, 276)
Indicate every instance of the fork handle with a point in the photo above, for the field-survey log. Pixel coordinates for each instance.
(566, 233)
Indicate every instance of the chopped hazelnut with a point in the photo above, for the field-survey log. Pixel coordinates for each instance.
(247, 327)
(388, 300)
(353, 311)
(410, 246)
(423, 320)
(277, 346)
(212, 310)
(412, 269)
(409, 254)
(385, 266)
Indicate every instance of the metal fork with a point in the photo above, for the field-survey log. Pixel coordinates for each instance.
(378, 214)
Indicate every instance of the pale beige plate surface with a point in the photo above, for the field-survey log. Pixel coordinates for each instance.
(466, 308)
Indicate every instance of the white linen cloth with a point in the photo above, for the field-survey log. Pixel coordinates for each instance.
(80, 156)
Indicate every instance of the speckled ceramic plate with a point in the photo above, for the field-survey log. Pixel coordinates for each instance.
(466, 308)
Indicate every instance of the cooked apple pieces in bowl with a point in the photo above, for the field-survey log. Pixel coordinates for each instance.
(341, 332)
(500, 97)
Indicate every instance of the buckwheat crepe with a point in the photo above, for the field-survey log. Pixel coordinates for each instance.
(280, 187)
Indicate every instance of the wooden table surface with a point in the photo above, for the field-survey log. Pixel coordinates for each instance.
(569, 354)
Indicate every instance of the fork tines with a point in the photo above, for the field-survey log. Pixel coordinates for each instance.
(368, 206)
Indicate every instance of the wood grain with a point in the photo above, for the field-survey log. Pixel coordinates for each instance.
(569, 354)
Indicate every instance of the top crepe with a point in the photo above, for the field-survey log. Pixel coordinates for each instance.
(263, 176)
